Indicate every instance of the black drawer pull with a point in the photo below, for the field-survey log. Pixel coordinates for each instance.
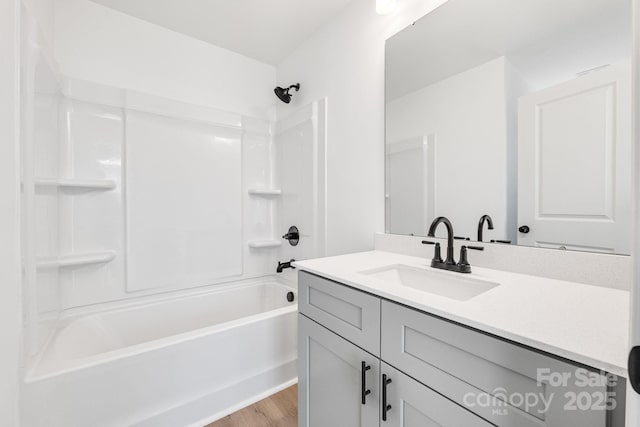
(385, 408)
(365, 392)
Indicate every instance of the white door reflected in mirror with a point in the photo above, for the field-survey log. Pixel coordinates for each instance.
(574, 140)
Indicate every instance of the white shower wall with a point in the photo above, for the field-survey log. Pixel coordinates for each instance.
(300, 153)
(138, 194)
(143, 177)
(39, 110)
(74, 164)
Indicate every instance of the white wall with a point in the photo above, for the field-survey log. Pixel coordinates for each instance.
(104, 46)
(42, 11)
(10, 213)
(467, 115)
(344, 61)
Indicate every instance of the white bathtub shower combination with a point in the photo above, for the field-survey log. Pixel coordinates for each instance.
(151, 236)
(176, 360)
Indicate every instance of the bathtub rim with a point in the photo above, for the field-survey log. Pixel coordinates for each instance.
(135, 301)
(32, 375)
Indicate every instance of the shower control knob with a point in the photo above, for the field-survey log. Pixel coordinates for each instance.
(524, 229)
(293, 235)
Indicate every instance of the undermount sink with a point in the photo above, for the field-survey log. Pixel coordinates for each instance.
(456, 286)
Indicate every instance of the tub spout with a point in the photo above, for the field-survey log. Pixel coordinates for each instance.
(283, 265)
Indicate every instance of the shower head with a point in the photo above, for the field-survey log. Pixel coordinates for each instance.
(283, 94)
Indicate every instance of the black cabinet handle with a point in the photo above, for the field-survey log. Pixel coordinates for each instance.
(524, 229)
(365, 392)
(385, 408)
(634, 368)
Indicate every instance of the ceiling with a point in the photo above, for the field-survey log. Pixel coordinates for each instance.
(547, 41)
(264, 30)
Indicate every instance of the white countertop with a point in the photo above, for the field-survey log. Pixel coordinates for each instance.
(584, 323)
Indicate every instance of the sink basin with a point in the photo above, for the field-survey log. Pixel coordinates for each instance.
(456, 286)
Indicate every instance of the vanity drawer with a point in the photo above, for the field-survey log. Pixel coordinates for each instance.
(478, 371)
(351, 314)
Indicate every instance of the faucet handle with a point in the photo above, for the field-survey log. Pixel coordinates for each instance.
(437, 255)
(464, 261)
(463, 264)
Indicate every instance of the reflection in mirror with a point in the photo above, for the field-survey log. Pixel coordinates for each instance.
(519, 110)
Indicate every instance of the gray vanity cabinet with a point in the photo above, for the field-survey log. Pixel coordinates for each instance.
(411, 404)
(330, 380)
(442, 373)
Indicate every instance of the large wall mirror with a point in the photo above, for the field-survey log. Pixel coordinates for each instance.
(518, 110)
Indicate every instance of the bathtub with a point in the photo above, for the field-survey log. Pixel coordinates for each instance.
(184, 360)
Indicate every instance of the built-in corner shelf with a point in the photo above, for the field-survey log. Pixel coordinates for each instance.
(75, 260)
(80, 184)
(264, 243)
(266, 192)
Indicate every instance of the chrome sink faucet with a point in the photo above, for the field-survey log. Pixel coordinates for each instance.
(450, 264)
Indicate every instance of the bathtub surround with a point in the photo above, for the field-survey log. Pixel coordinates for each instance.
(118, 215)
(88, 201)
(300, 141)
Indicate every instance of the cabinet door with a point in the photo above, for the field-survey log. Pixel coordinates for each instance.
(330, 380)
(411, 404)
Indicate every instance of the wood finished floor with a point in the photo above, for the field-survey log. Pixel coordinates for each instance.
(279, 410)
